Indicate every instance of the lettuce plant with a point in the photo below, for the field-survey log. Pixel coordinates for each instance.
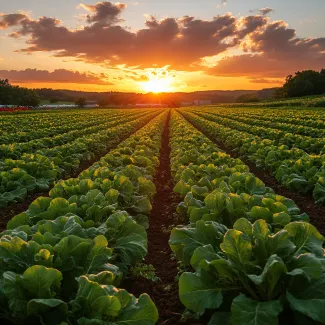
(258, 276)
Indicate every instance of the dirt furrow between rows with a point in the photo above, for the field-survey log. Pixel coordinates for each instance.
(163, 218)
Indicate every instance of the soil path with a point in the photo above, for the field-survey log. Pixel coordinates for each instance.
(163, 217)
(304, 201)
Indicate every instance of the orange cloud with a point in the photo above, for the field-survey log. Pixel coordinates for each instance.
(57, 76)
(104, 12)
(270, 49)
(273, 51)
(170, 41)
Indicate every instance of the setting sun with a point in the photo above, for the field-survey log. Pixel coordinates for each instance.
(158, 85)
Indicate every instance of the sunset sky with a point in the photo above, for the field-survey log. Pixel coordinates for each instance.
(159, 45)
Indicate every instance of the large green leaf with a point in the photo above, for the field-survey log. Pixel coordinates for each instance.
(96, 304)
(17, 254)
(306, 238)
(99, 255)
(50, 311)
(309, 300)
(71, 252)
(203, 255)
(198, 292)
(306, 264)
(271, 279)
(128, 238)
(251, 312)
(184, 240)
(245, 227)
(41, 282)
(238, 248)
(141, 311)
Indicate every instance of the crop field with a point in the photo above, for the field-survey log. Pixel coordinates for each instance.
(196, 216)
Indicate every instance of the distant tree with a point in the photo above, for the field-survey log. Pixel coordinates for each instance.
(247, 98)
(81, 102)
(53, 100)
(5, 82)
(29, 98)
(19, 96)
(279, 93)
(117, 99)
(102, 102)
(304, 83)
(58, 95)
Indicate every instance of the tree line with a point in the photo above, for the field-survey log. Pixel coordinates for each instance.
(303, 83)
(17, 96)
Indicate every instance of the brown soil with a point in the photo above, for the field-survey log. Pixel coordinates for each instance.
(304, 201)
(163, 217)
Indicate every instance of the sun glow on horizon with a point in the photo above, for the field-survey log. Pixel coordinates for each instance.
(158, 86)
(159, 81)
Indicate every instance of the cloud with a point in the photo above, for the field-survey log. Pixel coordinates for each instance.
(263, 11)
(273, 51)
(266, 81)
(139, 78)
(264, 65)
(266, 10)
(222, 3)
(57, 76)
(104, 12)
(170, 41)
(250, 24)
(10, 20)
(270, 49)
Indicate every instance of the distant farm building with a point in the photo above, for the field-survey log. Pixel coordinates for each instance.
(202, 102)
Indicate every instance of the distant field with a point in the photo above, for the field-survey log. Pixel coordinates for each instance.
(307, 101)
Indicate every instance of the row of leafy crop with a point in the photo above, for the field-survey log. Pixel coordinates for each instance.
(283, 125)
(309, 101)
(62, 261)
(293, 168)
(37, 172)
(15, 150)
(309, 118)
(289, 138)
(255, 259)
(25, 122)
(302, 117)
(27, 127)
